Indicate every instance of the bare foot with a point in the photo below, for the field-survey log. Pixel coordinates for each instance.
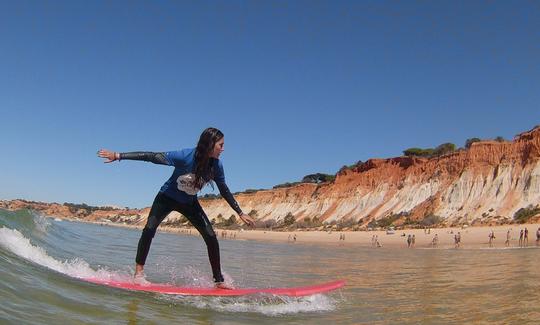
(223, 285)
(139, 271)
(141, 279)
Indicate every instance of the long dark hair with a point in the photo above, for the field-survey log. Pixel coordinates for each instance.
(203, 167)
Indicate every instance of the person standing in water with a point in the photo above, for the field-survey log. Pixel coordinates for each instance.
(435, 240)
(507, 242)
(193, 169)
(491, 237)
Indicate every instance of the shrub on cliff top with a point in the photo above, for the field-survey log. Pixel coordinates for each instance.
(318, 178)
(73, 207)
(251, 190)
(442, 149)
(210, 196)
(418, 152)
(286, 185)
(470, 141)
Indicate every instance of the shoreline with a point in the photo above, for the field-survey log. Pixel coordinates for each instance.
(471, 237)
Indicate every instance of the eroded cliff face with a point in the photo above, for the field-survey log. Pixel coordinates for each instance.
(487, 183)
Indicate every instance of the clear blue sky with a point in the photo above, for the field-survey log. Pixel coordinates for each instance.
(298, 87)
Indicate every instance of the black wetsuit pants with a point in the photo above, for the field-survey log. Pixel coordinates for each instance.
(162, 206)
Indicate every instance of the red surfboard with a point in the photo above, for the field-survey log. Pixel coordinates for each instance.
(196, 291)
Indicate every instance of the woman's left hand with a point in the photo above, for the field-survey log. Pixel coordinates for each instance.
(247, 219)
(109, 155)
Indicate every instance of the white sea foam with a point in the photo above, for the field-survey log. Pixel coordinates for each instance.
(16, 243)
(264, 304)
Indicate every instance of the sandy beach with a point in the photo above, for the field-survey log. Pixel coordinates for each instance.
(471, 237)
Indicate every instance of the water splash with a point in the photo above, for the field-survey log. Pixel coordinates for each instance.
(264, 304)
(188, 275)
(41, 223)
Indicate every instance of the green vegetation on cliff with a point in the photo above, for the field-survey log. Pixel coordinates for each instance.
(523, 215)
(442, 149)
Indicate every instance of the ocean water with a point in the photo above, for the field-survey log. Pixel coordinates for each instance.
(42, 258)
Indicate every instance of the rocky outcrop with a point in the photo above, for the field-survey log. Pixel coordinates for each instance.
(486, 183)
(80, 212)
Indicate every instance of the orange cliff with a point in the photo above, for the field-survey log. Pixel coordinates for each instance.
(486, 183)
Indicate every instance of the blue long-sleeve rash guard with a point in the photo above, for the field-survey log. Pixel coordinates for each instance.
(181, 185)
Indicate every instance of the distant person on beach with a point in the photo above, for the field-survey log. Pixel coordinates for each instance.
(375, 241)
(526, 237)
(507, 242)
(538, 237)
(457, 240)
(435, 240)
(193, 169)
(491, 237)
(409, 241)
(521, 238)
(413, 240)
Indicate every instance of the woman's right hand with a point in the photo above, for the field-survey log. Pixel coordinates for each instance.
(109, 155)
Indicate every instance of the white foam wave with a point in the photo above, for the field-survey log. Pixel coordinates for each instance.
(267, 305)
(16, 243)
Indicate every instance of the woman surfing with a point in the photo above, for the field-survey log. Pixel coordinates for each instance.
(193, 168)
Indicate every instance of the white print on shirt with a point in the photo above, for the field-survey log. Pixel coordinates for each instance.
(186, 183)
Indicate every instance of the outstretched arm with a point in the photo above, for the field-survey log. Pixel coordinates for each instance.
(154, 157)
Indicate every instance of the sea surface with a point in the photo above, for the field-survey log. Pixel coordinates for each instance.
(41, 259)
